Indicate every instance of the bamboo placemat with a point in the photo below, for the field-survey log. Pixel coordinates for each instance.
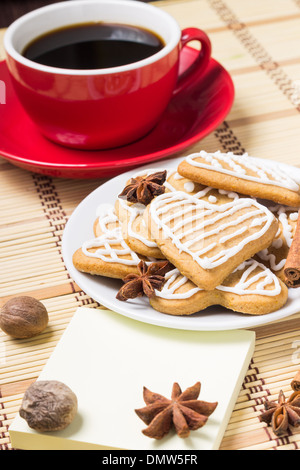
(258, 43)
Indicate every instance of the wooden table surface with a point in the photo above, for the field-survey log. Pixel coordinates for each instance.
(258, 42)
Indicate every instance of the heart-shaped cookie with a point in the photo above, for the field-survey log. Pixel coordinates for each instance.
(251, 289)
(107, 254)
(242, 173)
(206, 242)
(134, 229)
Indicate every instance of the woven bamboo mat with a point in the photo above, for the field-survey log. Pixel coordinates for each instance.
(258, 42)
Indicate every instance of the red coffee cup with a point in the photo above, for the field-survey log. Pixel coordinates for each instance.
(102, 108)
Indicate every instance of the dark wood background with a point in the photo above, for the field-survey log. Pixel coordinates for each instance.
(10, 10)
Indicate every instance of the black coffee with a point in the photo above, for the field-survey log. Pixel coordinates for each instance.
(93, 46)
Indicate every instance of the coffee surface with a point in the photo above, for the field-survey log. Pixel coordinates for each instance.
(93, 46)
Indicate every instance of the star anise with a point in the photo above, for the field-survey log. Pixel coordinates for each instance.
(183, 411)
(283, 414)
(149, 278)
(143, 189)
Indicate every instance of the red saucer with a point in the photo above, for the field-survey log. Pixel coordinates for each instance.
(190, 116)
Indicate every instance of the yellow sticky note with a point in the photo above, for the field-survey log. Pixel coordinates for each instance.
(106, 359)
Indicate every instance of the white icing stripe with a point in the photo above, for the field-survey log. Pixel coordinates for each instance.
(169, 291)
(107, 252)
(284, 235)
(232, 235)
(212, 221)
(110, 238)
(286, 229)
(247, 280)
(107, 216)
(241, 166)
(182, 203)
(134, 211)
(265, 255)
(174, 281)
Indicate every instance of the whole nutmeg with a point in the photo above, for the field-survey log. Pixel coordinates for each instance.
(48, 405)
(23, 317)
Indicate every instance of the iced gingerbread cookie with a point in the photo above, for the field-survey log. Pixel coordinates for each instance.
(130, 207)
(206, 242)
(207, 193)
(107, 254)
(106, 220)
(134, 229)
(251, 289)
(275, 256)
(243, 174)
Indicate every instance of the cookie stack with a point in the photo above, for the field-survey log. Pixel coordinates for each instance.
(214, 231)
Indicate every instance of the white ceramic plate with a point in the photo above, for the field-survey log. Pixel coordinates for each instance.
(103, 290)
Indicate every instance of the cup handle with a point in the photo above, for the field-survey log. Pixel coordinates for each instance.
(188, 76)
